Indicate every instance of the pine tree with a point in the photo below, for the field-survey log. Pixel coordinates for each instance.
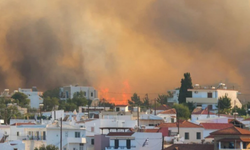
(186, 84)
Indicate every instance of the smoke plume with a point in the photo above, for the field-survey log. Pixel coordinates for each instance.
(148, 44)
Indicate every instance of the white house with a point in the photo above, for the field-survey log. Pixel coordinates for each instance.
(73, 136)
(205, 96)
(123, 108)
(134, 141)
(211, 127)
(169, 116)
(188, 132)
(160, 108)
(34, 95)
(12, 145)
(201, 114)
(67, 92)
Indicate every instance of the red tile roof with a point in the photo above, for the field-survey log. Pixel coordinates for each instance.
(169, 111)
(231, 131)
(120, 133)
(200, 111)
(190, 147)
(151, 130)
(163, 107)
(164, 131)
(19, 124)
(216, 125)
(184, 124)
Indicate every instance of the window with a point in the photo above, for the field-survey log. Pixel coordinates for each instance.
(15, 149)
(172, 120)
(195, 92)
(77, 134)
(92, 94)
(209, 95)
(186, 136)
(81, 146)
(66, 134)
(128, 144)
(92, 129)
(92, 141)
(198, 135)
(17, 133)
(116, 144)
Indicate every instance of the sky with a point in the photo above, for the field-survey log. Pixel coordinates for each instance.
(124, 46)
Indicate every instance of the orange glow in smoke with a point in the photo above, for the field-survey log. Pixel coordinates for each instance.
(118, 97)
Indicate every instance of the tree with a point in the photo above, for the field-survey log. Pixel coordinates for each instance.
(224, 104)
(21, 99)
(103, 103)
(52, 93)
(162, 99)
(9, 112)
(79, 99)
(48, 147)
(50, 103)
(146, 102)
(186, 84)
(182, 111)
(135, 100)
(241, 111)
(190, 106)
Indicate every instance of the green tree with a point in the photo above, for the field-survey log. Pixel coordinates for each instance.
(104, 103)
(186, 84)
(9, 112)
(50, 103)
(48, 147)
(190, 106)
(135, 100)
(52, 93)
(21, 99)
(79, 99)
(146, 104)
(241, 111)
(162, 99)
(182, 111)
(224, 104)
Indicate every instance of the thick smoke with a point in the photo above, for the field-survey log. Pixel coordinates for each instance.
(149, 44)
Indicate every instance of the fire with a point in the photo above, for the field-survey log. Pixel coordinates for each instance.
(119, 96)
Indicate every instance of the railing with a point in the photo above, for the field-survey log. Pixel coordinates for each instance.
(31, 138)
(120, 147)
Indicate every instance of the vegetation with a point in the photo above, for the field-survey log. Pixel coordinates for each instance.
(162, 99)
(21, 99)
(52, 93)
(182, 111)
(186, 84)
(48, 147)
(135, 100)
(224, 105)
(104, 103)
(49, 103)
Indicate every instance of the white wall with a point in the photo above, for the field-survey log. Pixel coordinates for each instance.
(34, 96)
(167, 117)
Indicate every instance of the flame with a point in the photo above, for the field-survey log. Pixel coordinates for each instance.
(118, 97)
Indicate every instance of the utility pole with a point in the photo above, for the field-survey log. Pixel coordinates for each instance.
(155, 107)
(61, 134)
(138, 115)
(218, 108)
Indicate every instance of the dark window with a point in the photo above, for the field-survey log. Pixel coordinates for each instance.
(77, 134)
(17, 134)
(117, 109)
(81, 146)
(92, 94)
(92, 141)
(116, 144)
(186, 136)
(198, 135)
(128, 144)
(172, 120)
(209, 95)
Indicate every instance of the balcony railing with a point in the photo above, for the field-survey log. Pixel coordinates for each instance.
(120, 147)
(31, 138)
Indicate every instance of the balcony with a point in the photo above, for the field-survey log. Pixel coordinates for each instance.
(76, 140)
(203, 100)
(37, 138)
(120, 148)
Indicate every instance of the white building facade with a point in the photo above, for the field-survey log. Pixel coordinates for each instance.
(67, 92)
(34, 95)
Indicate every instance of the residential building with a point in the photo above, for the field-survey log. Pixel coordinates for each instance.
(73, 136)
(209, 96)
(67, 92)
(200, 114)
(188, 132)
(190, 147)
(231, 138)
(12, 145)
(34, 95)
(212, 127)
(175, 95)
(150, 120)
(169, 116)
(160, 109)
(122, 108)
